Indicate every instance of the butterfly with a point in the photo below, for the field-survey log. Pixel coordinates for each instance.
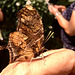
(27, 41)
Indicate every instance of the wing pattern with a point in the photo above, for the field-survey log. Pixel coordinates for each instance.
(27, 41)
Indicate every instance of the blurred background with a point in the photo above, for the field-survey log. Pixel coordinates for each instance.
(9, 23)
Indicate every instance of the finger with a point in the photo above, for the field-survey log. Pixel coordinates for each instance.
(62, 7)
(63, 10)
(50, 9)
(56, 6)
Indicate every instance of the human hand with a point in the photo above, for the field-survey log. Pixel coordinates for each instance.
(52, 9)
(60, 7)
(57, 62)
(56, 8)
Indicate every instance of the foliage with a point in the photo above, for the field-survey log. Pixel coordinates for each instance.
(11, 7)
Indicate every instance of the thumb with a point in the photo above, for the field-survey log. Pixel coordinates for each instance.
(50, 8)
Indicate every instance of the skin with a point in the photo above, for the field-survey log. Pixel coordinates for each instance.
(60, 7)
(57, 62)
(1, 15)
(68, 26)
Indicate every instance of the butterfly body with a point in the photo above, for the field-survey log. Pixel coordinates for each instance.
(27, 41)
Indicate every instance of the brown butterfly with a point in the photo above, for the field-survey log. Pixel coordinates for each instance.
(27, 41)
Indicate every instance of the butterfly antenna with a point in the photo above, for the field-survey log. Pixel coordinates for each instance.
(48, 36)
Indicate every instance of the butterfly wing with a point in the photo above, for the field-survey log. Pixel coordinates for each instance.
(30, 27)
